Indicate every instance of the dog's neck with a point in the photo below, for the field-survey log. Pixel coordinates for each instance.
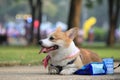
(64, 52)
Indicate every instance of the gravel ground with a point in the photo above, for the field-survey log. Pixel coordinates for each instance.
(40, 73)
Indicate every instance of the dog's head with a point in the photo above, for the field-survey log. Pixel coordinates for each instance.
(58, 40)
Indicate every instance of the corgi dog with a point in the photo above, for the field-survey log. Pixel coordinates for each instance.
(63, 56)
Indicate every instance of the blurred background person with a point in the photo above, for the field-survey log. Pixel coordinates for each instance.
(27, 27)
(91, 35)
(3, 35)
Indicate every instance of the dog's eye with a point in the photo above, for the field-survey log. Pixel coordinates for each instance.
(51, 38)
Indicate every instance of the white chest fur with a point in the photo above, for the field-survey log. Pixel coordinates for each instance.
(58, 57)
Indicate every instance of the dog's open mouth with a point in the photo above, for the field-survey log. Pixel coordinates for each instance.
(48, 49)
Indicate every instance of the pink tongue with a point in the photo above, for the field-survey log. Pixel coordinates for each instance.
(46, 50)
(43, 50)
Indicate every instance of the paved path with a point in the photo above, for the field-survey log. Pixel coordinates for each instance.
(39, 73)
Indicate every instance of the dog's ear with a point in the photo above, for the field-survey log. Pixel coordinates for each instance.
(72, 33)
(58, 29)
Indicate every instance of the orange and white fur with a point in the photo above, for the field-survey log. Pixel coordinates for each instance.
(62, 50)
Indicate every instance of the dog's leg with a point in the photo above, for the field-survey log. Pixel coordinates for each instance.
(53, 70)
(69, 69)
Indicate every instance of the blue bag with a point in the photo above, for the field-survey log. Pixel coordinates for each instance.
(94, 68)
(109, 63)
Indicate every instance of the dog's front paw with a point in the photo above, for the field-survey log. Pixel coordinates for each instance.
(66, 72)
(53, 70)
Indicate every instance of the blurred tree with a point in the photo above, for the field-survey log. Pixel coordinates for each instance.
(114, 8)
(36, 11)
(113, 13)
(49, 8)
(62, 10)
(9, 8)
(74, 15)
(91, 3)
(56, 10)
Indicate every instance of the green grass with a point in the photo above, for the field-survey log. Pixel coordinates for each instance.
(20, 55)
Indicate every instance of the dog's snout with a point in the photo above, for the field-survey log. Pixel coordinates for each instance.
(40, 42)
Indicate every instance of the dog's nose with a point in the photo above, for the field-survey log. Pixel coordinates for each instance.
(40, 42)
